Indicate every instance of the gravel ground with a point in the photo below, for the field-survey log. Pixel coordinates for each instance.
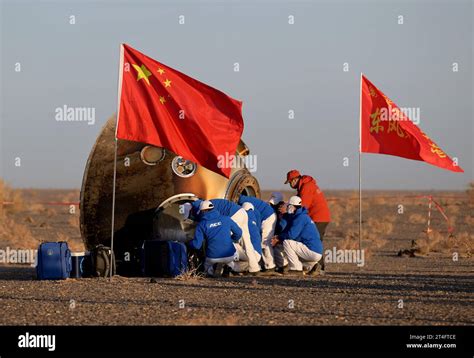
(430, 297)
(431, 289)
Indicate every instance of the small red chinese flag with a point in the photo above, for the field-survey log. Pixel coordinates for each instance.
(385, 129)
(165, 108)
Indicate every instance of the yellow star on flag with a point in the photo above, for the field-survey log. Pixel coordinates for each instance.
(162, 100)
(142, 73)
(167, 83)
(160, 71)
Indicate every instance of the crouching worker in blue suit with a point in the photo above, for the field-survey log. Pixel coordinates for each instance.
(220, 233)
(240, 217)
(298, 241)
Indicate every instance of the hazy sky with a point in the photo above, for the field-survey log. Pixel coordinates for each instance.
(282, 67)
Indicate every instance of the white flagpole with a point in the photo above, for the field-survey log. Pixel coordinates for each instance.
(360, 162)
(119, 91)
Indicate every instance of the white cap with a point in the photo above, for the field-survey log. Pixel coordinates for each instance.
(295, 200)
(276, 198)
(248, 206)
(206, 204)
(187, 210)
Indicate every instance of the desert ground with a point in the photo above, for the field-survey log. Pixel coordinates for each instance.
(408, 276)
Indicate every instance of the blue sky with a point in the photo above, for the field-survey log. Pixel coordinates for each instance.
(282, 67)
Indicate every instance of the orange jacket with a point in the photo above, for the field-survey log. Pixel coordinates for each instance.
(313, 199)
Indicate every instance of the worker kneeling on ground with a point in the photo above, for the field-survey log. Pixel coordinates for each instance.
(298, 241)
(240, 217)
(220, 234)
(313, 199)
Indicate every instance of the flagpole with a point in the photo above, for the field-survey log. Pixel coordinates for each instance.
(113, 208)
(119, 90)
(360, 163)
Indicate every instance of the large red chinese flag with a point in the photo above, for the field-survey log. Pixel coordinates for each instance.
(385, 129)
(165, 108)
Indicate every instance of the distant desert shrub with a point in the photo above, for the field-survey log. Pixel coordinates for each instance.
(61, 237)
(13, 196)
(335, 221)
(390, 218)
(36, 208)
(353, 218)
(465, 242)
(365, 205)
(445, 244)
(49, 212)
(352, 236)
(380, 226)
(337, 211)
(469, 220)
(332, 232)
(453, 209)
(417, 219)
(72, 196)
(190, 275)
(429, 241)
(380, 200)
(353, 204)
(435, 241)
(375, 241)
(470, 193)
(353, 194)
(369, 242)
(350, 241)
(336, 208)
(44, 225)
(74, 220)
(17, 235)
(452, 220)
(30, 193)
(29, 220)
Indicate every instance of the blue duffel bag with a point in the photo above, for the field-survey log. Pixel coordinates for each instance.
(54, 261)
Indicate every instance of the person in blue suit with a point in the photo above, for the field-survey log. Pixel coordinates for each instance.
(238, 216)
(220, 234)
(299, 239)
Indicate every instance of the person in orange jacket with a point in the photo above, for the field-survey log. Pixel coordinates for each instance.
(313, 199)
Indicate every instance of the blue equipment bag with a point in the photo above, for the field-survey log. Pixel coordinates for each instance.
(54, 261)
(163, 258)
